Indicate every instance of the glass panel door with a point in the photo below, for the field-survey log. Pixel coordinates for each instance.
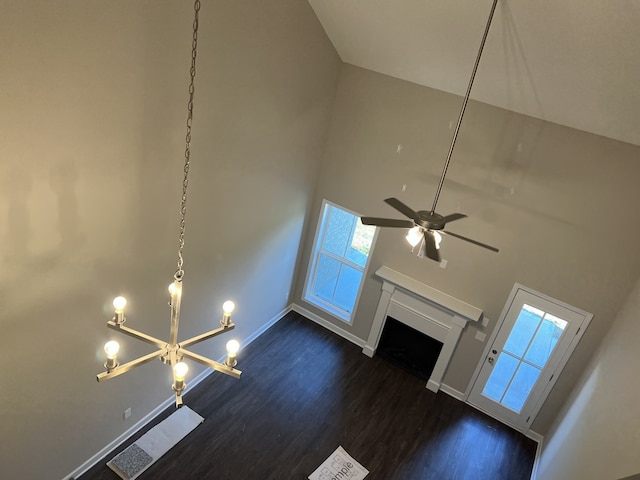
(529, 348)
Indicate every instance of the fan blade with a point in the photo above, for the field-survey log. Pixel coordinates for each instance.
(401, 207)
(430, 246)
(387, 222)
(475, 242)
(454, 216)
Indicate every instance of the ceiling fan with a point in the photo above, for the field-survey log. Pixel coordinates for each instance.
(426, 224)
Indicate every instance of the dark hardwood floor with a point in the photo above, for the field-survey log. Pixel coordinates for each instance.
(304, 391)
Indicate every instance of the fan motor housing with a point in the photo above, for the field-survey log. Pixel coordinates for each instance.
(430, 220)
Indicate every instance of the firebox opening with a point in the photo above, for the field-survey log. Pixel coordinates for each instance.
(408, 348)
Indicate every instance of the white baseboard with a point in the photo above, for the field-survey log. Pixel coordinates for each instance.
(328, 325)
(536, 461)
(164, 405)
(266, 326)
(452, 392)
(535, 436)
(433, 386)
(368, 351)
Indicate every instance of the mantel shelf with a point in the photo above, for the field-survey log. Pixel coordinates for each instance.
(458, 307)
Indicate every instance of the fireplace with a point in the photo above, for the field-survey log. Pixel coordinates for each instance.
(408, 348)
(424, 309)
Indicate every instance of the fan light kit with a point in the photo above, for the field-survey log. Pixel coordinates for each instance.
(171, 352)
(425, 225)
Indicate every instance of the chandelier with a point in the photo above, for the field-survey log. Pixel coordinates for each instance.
(173, 352)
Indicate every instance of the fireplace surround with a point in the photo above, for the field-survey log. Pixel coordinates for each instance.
(425, 309)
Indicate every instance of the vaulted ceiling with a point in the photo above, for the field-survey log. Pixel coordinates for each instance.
(571, 62)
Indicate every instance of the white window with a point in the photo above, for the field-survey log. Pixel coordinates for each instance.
(338, 262)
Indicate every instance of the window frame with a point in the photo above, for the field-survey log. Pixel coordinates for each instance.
(312, 266)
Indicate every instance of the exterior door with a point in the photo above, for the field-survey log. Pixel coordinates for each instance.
(525, 355)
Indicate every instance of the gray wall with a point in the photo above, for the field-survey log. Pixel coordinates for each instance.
(91, 143)
(93, 100)
(596, 435)
(558, 203)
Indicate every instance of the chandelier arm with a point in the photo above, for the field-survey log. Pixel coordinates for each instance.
(136, 334)
(464, 107)
(232, 372)
(206, 336)
(187, 150)
(124, 368)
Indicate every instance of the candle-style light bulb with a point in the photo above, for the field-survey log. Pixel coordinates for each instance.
(232, 349)
(180, 370)
(111, 350)
(227, 309)
(118, 304)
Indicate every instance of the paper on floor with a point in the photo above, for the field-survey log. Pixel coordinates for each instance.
(139, 456)
(339, 466)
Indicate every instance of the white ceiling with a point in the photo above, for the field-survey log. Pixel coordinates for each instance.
(572, 62)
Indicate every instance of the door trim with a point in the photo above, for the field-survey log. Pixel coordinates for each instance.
(525, 427)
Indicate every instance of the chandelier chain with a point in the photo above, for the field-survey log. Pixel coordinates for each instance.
(187, 150)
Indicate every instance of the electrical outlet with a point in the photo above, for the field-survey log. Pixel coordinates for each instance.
(481, 336)
(126, 414)
(443, 263)
(485, 322)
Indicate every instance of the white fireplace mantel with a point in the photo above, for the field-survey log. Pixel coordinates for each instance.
(425, 309)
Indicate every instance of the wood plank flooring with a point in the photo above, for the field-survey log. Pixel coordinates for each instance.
(304, 391)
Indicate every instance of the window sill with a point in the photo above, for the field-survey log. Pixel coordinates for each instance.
(327, 308)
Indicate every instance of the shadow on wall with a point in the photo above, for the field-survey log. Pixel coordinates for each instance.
(29, 202)
(41, 233)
